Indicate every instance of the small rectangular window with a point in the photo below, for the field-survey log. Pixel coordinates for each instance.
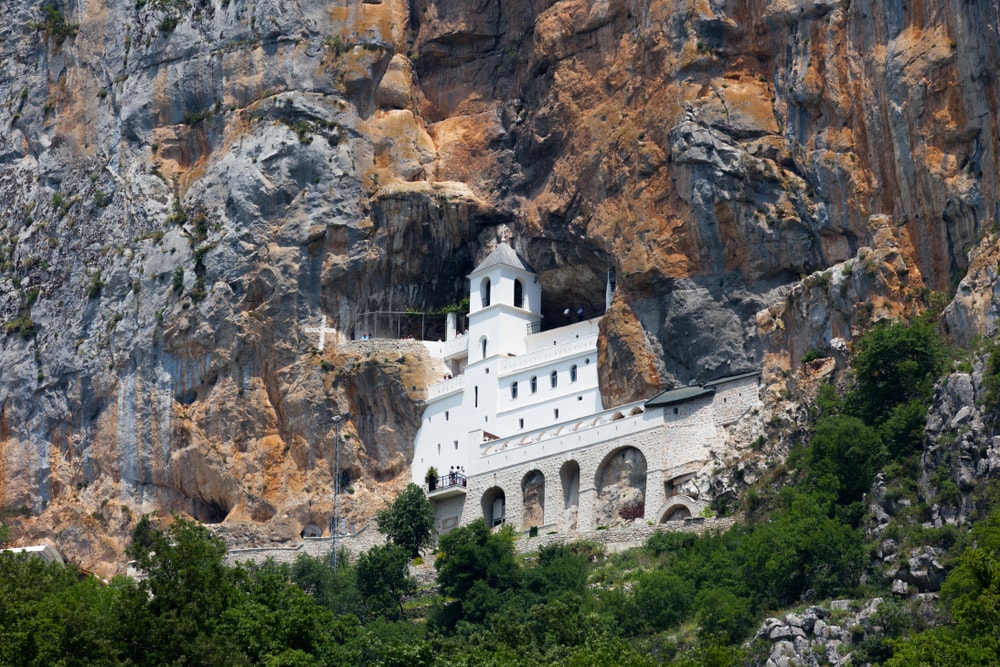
(556, 413)
(520, 423)
(446, 415)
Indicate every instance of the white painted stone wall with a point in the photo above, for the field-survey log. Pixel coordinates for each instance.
(675, 441)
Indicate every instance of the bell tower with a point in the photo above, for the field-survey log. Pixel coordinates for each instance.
(505, 304)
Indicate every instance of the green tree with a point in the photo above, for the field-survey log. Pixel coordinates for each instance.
(337, 590)
(849, 449)
(798, 548)
(559, 569)
(189, 588)
(664, 599)
(477, 567)
(409, 521)
(384, 579)
(272, 621)
(50, 614)
(722, 615)
(895, 363)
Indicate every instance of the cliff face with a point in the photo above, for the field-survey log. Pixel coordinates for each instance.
(186, 186)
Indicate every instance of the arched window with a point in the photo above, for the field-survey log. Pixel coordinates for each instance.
(554, 379)
(572, 373)
(513, 390)
(534, 384)
(484, 292)
(518, 294)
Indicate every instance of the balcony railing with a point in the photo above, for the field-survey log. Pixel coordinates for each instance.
(447, 481)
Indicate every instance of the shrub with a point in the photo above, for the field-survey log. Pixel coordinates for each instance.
(102, 199)
(95, 284)
(54, 23)
(812, 355)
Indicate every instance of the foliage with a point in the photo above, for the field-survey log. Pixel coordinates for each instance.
(722, 615)
(54, 23)
(383, 578)
(664, 598)
(851, 451)
(476, 567)
(811, 355)
(893, 364)
(336, 590)
(991, 379)
(972, 591)
(95, 285)
(102, 198)
(409, 521)
(50, 615)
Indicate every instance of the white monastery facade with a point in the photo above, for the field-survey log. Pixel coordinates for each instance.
(518, 433)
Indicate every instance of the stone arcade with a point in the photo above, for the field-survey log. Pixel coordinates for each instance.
(518, 433)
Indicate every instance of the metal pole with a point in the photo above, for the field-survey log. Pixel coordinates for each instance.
(336, 489)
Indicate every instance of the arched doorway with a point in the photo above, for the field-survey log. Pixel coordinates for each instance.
(569, 475)
(676, 513)
(494, 505)
(621, 487)
(533, 496)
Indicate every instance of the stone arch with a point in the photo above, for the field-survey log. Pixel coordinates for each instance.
(636, 411)
(312, 530)
(676, 513)
(615, 417)
(677, 508)
(569, 475)
(494, 504)
(621, 486)
(533, 497)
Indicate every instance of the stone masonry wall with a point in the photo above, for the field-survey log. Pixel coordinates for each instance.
(678, 446)
(735, 399)
(614, 539)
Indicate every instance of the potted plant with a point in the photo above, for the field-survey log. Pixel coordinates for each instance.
(431, 478)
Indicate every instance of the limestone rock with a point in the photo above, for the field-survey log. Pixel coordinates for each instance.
(180, 209)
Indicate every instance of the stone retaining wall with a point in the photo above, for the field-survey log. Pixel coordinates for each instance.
(317, 547)
(614, 540)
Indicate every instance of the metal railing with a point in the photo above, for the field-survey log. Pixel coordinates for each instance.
(448, 481)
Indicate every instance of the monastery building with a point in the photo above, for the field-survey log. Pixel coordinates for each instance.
(517, 430)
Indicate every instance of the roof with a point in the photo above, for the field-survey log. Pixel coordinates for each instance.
(503, 255)
(46, 552)
(732, 378)
(672, 396)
